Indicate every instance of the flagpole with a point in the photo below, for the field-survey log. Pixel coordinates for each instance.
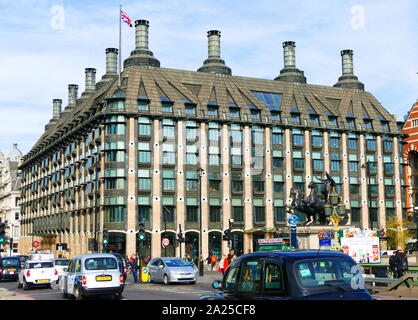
(120, 44)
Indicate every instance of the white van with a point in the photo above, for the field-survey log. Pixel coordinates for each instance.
(92, 275)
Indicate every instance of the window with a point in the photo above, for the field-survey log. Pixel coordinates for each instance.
(318, 165)
(371, 145)
(237, 183)
(335, 165)
(115, 214)
(214, 185)
(168, 131)
(278, 186)
(100, 264)
(255, 114)
(168, 213)
(390, 191)
(167, 108)
(277, 138)
(115, 128)
(273, 281)
(190, 110)
(191, 158)
(214, 214)
(367, 124)
(259, 214)
(387, 145)
(230, 279)
(236, 160)
(213, 134)
(278, 162)
(268, 98)
(234, 113)
(384, 125)
(214, 159)
(212, 111)
(352, 144)
(144, 129)
(169, 183)
(353, 166)
(314, 119)
(250, 276)
(295, 117)
(332, 121)
(325, 273)
(144, 214)
(334, 142)
(238, 214)
(298, 164)
(354, 189)
(191, 133)
(298, 140)
(116, 105)
(191, 214)
(275, 116)
(115, 156)
(258, 184)
(144, 154)
(280, 214)
(143, 106)
(351, 122)
(317, 141)
(144, 180)
(169, 157)
(114, 183)
(389, 168)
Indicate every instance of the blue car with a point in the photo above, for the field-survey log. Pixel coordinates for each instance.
(292, 275)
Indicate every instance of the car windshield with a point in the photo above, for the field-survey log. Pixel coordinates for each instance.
(176, 263)
(100, 263)
(327, 273)
(23, 258)
(39, 265)
(11, 262)
(62, 262)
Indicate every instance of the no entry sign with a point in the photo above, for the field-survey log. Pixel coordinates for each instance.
(36, 244)
(165, 242)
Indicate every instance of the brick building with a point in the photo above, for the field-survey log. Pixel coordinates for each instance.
(123, 154)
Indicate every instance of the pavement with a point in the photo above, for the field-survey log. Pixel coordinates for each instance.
(207, 278)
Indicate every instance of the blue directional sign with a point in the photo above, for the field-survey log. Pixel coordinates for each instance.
(293, 220)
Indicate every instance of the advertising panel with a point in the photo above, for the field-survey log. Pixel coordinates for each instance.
(362, 249)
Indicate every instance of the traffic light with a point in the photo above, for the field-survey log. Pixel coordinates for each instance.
(180, 237)
(141, 234)
(105, 237)
(2, 232)
(227, 235)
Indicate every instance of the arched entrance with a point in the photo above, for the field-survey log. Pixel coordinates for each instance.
(215, 244)
(192, 244)
(143, 247)
(170, 250)
(117, 243)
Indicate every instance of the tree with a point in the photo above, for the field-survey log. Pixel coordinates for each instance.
(397, 233)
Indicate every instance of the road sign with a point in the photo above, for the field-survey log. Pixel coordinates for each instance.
(36, 244)
(165, 242)
(293, 237)
(293, 220)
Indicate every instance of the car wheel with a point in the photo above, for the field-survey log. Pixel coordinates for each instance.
(25, 284)
(118, 296)
(149, 278)
(19, 285)
(77, 294)
(166, 282)
(192, 282)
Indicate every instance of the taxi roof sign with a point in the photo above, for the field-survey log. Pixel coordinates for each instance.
(270, 241)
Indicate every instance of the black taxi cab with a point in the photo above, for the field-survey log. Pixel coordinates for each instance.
(292, 275)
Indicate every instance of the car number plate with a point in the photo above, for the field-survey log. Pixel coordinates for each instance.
(11, 269)
(103, 278)
(42, 281)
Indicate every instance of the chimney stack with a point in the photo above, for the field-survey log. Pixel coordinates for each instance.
(56, 108)
(90, 80)
(348, 79)
(111, 61)
(214, 63)
(141, 56)
(72, 94)
(290, 73)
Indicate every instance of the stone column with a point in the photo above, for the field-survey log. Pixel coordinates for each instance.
(308, 160)
(398, 189)
(363, 187)
(82, 231)
(132, 194)
(181, 201)
(327, 162)
(346, 180)
(269, 181)
(203, 156)
(380, 181)
(226, 183)
(248, 203)
(156, 194)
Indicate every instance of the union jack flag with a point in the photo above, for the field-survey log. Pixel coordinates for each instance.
(125, 18)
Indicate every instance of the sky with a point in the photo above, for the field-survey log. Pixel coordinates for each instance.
(46, 45)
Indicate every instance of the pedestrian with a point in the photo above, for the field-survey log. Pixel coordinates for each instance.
(147, 259)
(231, 256)
(207, 260)
(401, 264)
(134, 267)
(221, 264)
(213, 261)
(392, 266)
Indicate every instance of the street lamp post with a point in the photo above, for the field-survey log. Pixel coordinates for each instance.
(165, 226)
(201, 272)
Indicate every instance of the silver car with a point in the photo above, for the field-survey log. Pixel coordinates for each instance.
(169, 270)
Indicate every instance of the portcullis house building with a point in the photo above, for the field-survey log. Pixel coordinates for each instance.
(121, 155)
